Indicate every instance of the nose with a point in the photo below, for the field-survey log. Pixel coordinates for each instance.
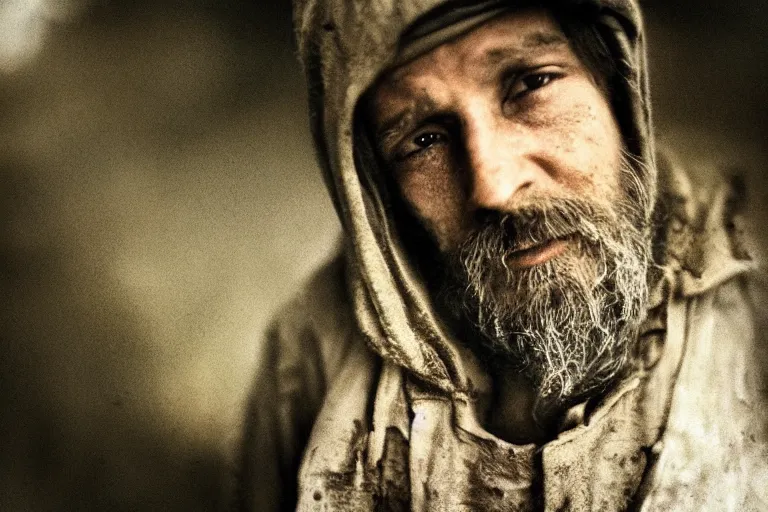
(499, 164)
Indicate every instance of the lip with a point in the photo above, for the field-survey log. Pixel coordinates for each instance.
(537, 254)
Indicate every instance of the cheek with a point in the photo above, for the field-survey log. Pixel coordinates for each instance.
(437, 198)
(584, 144)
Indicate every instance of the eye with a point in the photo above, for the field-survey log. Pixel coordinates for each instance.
(527, 84)
(425, 140)
(422, 142)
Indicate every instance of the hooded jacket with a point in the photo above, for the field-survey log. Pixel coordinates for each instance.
(364, 401)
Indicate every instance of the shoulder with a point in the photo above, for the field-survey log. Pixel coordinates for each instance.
(718, 415)
(708, 237)
(300, 355)
(316, 327)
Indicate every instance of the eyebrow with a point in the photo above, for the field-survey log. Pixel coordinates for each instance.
(391, 129)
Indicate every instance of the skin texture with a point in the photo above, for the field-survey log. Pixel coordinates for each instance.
(492, 121)
(501, 118)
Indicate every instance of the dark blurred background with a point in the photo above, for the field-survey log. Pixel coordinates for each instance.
(160, 200)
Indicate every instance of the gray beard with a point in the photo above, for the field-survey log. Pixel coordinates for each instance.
(569, 324)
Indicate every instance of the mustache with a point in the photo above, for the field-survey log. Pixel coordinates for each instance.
(541, 221)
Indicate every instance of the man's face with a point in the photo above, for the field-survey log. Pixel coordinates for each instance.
(506, 150)
(497, 120)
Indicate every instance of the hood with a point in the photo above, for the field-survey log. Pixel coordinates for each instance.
(344, 46)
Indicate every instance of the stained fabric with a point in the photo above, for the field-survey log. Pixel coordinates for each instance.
(367, 403)
(687, 432)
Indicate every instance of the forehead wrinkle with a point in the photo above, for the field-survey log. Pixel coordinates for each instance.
(544, 38)
(534, 43)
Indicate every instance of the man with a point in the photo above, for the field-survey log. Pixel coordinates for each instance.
(530, 312)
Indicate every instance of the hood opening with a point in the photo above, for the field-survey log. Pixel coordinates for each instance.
(344, 47)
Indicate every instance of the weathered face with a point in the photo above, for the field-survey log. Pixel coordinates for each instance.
(498, 119)
(506, 150)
